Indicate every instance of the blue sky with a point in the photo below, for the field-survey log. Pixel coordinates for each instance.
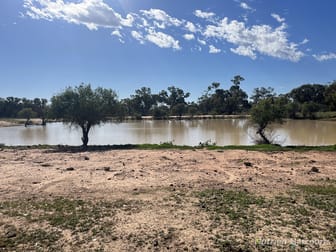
(46, 45)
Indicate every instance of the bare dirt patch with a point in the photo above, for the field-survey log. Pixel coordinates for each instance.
(160, 200)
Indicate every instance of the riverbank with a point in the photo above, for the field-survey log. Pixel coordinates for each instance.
(10, 122)
(166, 199)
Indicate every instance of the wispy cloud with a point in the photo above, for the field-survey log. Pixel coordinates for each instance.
(191, 27)
(189, 36)
(138, 36)
(214, 50)
(245, 6)
(278, 18)
(325, 57)
(162, 40)
(161, 16)
(244, 51)
(202, 42)
(203, 14)
(305, 41)
(118, 34)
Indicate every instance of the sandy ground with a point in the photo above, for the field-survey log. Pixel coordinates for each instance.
(16, 122)
(154, 177)
(110, 173)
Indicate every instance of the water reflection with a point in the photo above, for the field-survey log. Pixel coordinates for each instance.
(184, 132)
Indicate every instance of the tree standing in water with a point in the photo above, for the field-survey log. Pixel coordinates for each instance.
(84, 107)
(264, 113)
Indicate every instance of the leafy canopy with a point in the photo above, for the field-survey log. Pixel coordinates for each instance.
(84, 107)
(81, 105)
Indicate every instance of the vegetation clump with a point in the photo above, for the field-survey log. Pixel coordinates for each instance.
(84, 107)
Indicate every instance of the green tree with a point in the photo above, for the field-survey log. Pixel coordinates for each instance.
(143, 101)
(221, 101)
(237, 101)
(26, 113)
(330, 96)
(262, 93)
(237, 80)
(308, 109)
(160, 112)
(205, 105)
(41, 108)
(84, 107)
(174, 99)
(264, 113)
(192, 109)
(309, 93)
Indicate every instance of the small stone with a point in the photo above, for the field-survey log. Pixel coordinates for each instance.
(248, 164)
(45, 165)
(156, 243)
(86, 158)
(11, 232)
(250, 179)
(36, 182)
(314, 169)
(107, 169)
(70, 169)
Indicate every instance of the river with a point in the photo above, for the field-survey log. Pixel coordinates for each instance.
(184, 132)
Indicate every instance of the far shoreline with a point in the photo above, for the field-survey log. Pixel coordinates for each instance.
(12, 122)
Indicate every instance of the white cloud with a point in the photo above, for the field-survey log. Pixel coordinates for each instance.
(138, 36)
(305, 41)
(189, 36)
(244, 51)
(116, 33)
(278, 18)
(191, 27)
(325, 57)
(162, 40)
(91, 13)
(213, 49)
(246, 40)
(258, 38)
(245, 6)
(162, 16)
(202, 42)
(202, 14)
(128, 21)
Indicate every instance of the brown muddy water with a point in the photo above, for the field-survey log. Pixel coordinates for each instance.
(183, 132)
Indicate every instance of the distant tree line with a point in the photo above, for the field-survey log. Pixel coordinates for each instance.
(301, 102)
(13, 107)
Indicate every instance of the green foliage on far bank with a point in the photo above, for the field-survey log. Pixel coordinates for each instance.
(308, 101)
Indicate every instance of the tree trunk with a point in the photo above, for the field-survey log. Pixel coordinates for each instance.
(85, 137)
(264, 138)
(27, 122)
(44, 121)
